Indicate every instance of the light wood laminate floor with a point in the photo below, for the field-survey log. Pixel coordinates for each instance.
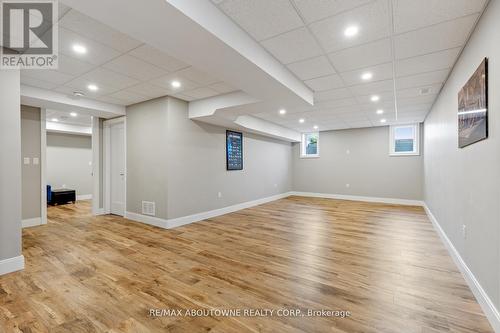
(383, 263)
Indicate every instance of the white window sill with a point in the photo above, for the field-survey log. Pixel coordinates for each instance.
(309, 156)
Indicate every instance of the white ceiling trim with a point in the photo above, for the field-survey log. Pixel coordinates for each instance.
(53, 100)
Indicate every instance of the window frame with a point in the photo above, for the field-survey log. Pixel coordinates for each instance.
(392, 142)
(303, 148)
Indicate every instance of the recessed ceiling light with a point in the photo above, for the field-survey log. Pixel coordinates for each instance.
(366, 76)
(351, 31)
(302, 120)
(375, 98)
(315, 127)
(79, 48)
(383, 121)
(73, 114)
(55, 120)
(282, 111)
(176, 84)
(380, 111)
(92, 87)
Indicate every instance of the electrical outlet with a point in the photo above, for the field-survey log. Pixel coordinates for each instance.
(464, 231)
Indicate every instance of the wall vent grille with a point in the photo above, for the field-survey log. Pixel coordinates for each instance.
(148, 208)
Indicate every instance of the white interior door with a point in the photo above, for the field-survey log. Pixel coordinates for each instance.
(117, 169)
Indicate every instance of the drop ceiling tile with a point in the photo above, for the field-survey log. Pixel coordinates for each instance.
(423, 79)
(158, 58)
(312, 68)
(333, 94)
(387, 106)
(372, 20)
(184, 97)
(166, 80)
(149, 90)
(29, 81)
(135, 68)
(380, 73)
(222, 88)
(102, 76)
(67, 90)
(92, 29)
(427, 63)
(314, 10)
(293, 46)
(438, 37)
(80, 84)
(411, 14)
(385, 97)
(417, 91)
(262, 19)
(338, 104)
(353, 117)
(72, 66)
(359, 124)
(414, 108)
(427, 99)
(325, 83)
(372, 87)
(127, 98)
(97, 53)
(108, 99)
(196, 76)
(362, 56)
(50, 76)
(200, 93)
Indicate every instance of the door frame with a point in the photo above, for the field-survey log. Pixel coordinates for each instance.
(107, 162)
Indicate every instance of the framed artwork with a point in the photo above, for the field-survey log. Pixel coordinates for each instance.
(473, 108)
(234, 150)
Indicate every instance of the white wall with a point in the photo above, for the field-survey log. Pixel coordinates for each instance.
(69, 162)
(197, 166)
(180, 164)
(31, 173)
(147, 155)
(367, 168)
(10, 166)
(462, 186)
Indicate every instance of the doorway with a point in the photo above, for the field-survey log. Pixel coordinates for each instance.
(115, 185)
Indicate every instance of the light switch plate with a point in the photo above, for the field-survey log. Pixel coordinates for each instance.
(36, 161)
(26, 161)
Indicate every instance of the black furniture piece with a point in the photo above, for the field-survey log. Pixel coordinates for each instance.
(62, 196)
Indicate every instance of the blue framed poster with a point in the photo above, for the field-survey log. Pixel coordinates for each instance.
(234, 150)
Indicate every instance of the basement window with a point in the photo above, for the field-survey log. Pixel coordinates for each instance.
(404, 140)
(309, 147)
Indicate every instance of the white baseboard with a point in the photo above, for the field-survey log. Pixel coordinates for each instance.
(360, 198)
(11, 265)
(481, 296)
(32, 222)
(99, 211)
(180, 221)
(84, 197)
(151, 220)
